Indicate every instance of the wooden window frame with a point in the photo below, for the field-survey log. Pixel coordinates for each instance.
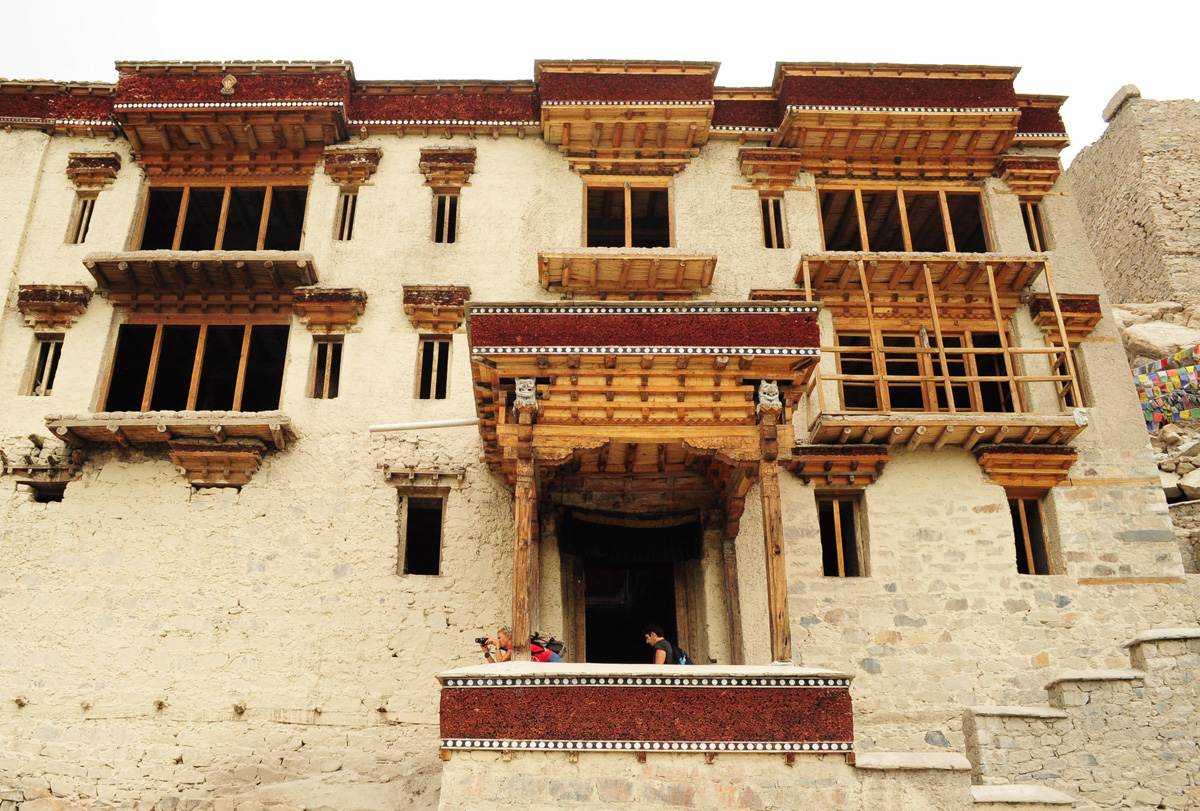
(330, 372)
(941, 190)
(405, 497)
(774, 223)
(187, 184)
(436, 369)
(38, 364)
(447, 224)
(347, 207)
(1027, 546)
(628, 185)
(204, 322)
(1035, 226)
(855, 499)
(81, 217)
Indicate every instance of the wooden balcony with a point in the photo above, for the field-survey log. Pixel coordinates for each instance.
(626, 274)
(953, 395)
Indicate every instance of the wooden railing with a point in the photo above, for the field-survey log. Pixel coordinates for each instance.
(929, 379)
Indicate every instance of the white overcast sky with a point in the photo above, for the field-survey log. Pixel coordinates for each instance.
(1084, 50)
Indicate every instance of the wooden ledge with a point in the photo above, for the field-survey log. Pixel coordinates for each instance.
(1080, 312)
(157, 427)
(1030, 468)
(400, 474)
(447, 167)
(93, 170)
(436, 308)
(329, 310)
(626, 274)
(174, 272)
(1030, 176)
(950, 273)
(52, 307)
(47, 476)
(938, 430)
(212, 463)
(349, 167)
(840, 466)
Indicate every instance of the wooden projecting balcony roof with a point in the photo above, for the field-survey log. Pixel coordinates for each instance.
(273, 428)
(197, 271)
(610, 117)
(966, 430)
(626, 274)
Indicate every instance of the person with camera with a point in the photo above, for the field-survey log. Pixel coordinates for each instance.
(502, 642)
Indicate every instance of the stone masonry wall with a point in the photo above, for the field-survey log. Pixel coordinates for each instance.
(1123, 738)
(1138, 189)
(1186, 517)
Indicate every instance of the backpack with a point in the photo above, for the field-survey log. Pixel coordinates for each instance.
(545, 648)
(682, 657)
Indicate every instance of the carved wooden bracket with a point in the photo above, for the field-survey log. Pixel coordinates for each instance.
(771, 169)
(447, 167)
(48, 476)
(434, 308)
(326, 310)
(212, 463)
(1081, 313)
(1034, 469)
(350, 167)
(52, 307)
(93, 170)
(839, 466)
(400, 474)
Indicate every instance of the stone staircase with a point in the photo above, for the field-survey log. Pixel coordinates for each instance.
(1123, 738)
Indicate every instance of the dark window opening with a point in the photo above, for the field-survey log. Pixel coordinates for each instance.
(605, 218)
(1035, 230)
(838, 521)
(81, 219)
(347, 203)
(445, 218)
(857, 395)
(327, 368)
(625, 217)
(234, 218)
(904, 395)
(650, 218)
(48, 492)
(49, 349)
(902, 219)
(162, 217)
(772, 222)
(995, 395)
(173, 380)
(1032, 555)
(422, 535)
(433, 369)
(239, 367)
(956, 368)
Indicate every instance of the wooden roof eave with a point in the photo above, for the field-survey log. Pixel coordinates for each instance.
(891, 272)
(273, 428)
(199, 271)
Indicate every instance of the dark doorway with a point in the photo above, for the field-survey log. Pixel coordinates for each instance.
(628, 580)
(620, 600)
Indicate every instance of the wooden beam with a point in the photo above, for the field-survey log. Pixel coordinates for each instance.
(777, 585)
(733, 599)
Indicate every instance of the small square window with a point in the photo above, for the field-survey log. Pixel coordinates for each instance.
(433, 368)
(627, 217)
(81, 218)
(772, 222)
(445, 218)
(347, 203)
(841, 536)
(44, 365)
(327, 368)
(420, 533)
(1033, 554)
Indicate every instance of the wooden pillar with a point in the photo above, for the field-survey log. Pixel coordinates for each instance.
(777, 586)
(525, 562)
(733, 598)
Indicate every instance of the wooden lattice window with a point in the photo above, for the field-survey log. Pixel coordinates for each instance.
(197, 366)
(347, 205)
(627, 216)
(1033, 552)
(223, 218)
(445, 217)
(81, 217)
(47, 349)
(909, 218)
(326, 367)
(433, 368)
(774, 233)
(421, 514)
(1035, 229)
(839, 517)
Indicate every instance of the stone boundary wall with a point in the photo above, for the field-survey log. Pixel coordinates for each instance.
(1111, 739)
(1138, 190)
(1186, 517)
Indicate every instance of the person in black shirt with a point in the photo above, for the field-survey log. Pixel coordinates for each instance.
(664, 651)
